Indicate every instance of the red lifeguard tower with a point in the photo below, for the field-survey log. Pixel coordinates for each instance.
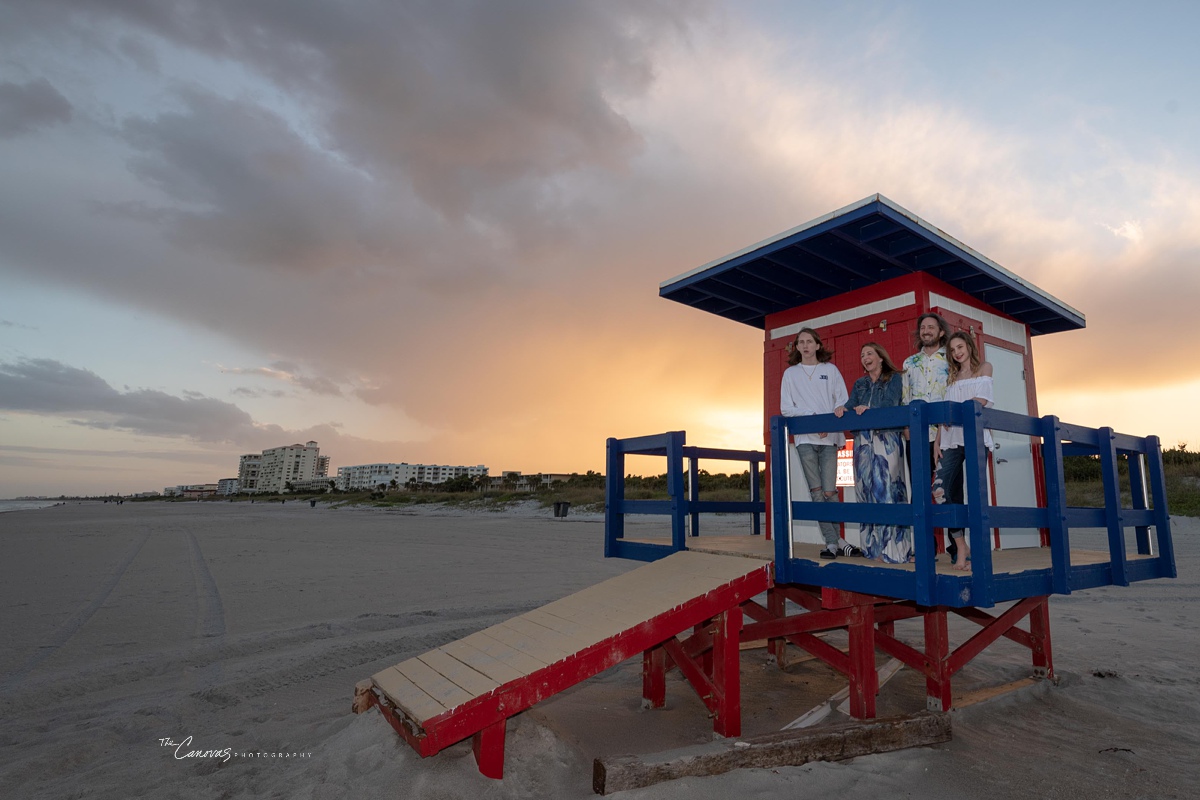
(863, 273)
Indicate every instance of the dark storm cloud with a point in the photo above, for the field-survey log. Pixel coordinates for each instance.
(246, 187)
(27, 107)
(155, 455)
(48, 387)
(455, 99)
(45, 386)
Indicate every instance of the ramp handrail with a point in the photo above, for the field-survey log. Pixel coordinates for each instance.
(683, 501)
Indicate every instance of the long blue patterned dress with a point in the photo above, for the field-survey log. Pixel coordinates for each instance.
(879, 470)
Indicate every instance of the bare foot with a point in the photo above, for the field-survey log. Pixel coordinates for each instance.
(964, 554)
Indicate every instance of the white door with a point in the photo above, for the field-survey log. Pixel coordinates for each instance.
(1013, 457)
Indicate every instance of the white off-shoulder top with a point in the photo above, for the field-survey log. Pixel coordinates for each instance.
(967, 389)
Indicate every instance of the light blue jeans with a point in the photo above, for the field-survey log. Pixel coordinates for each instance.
(819, 462)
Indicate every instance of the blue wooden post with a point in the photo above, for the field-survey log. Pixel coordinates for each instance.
(1056, 506)
(781, 526)
(694, 492)
(1162, 519)
(755, 497)
(922, 503)
(979, 529)
(1112, 506)
(614, 496)
(675, 489)
(1137, 493)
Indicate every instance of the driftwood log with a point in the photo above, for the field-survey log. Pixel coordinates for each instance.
(782, 749)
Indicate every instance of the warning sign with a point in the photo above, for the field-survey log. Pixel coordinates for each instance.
(845, 464)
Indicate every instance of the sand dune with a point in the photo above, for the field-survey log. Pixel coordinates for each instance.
(245, 627)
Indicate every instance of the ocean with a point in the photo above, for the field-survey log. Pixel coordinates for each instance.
(25, 505)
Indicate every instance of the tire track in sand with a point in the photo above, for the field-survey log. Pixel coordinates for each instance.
(210, 616)
(63, 633)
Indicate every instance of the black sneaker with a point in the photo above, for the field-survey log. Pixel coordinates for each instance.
(850, 550)
(827, 553)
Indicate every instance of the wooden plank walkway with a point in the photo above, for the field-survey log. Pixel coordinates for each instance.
(464, 687)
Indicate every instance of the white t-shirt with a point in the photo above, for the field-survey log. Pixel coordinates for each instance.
(806, 391)
(968, 389)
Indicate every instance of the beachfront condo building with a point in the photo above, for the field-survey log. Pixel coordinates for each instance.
(291, 463)
(248, 468)
(227, 486)
(371, 476)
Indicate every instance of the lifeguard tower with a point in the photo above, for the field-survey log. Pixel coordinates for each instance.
(862, 273)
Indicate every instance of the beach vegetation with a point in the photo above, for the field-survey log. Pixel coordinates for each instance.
(1181, 468)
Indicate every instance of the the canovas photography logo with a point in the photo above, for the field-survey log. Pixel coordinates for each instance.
(185, 749)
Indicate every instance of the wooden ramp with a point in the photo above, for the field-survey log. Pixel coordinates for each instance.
(470, 687)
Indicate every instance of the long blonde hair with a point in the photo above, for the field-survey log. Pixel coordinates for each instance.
(973, 356)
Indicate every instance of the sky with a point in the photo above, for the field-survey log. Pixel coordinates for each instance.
(434, 232)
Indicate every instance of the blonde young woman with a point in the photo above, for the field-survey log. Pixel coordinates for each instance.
(970, 379)
(813, 385)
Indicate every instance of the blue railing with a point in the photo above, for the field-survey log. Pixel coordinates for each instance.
(683, 502)
(982, 587)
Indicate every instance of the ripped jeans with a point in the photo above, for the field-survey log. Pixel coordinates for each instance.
(819, 462)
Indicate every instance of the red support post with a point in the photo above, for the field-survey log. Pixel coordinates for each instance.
(726, 674)
(937, 651)
(706, 658)
(1039, 630)
(863, 678)
(488, 747)
(654, 677)
(777, 605)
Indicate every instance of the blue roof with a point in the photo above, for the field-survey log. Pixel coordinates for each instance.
(865, 243)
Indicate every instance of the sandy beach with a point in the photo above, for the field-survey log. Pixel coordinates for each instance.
(246, 627)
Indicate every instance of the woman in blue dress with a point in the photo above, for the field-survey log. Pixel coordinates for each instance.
(878, 455)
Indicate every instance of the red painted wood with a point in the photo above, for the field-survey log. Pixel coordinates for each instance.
(911, 656)
(811, 622)
(863, 678)
(694, 672)
(488, 747)
(777, 607)
(937, 648)
(990, 633)
(727, 675)
(706, 654)
(1039, 631)
(654, 677)
(808, 599)
(514, 697)
(984, 619)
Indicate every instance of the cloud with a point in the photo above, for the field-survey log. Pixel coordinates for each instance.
(290, 373)
(1130, 229)
(46, 386)
(49, 387)
(27, 107)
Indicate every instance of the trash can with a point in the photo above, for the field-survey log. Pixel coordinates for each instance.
(312, 503)
(561, 508)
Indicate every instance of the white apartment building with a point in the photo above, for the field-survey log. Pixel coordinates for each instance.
(248, 467)
(280, 466)
(227, 486)
(369, 476)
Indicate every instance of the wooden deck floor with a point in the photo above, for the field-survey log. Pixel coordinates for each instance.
(1003, 561)
(445, 678)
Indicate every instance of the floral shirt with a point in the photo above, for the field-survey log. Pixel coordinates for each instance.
(925, 378)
